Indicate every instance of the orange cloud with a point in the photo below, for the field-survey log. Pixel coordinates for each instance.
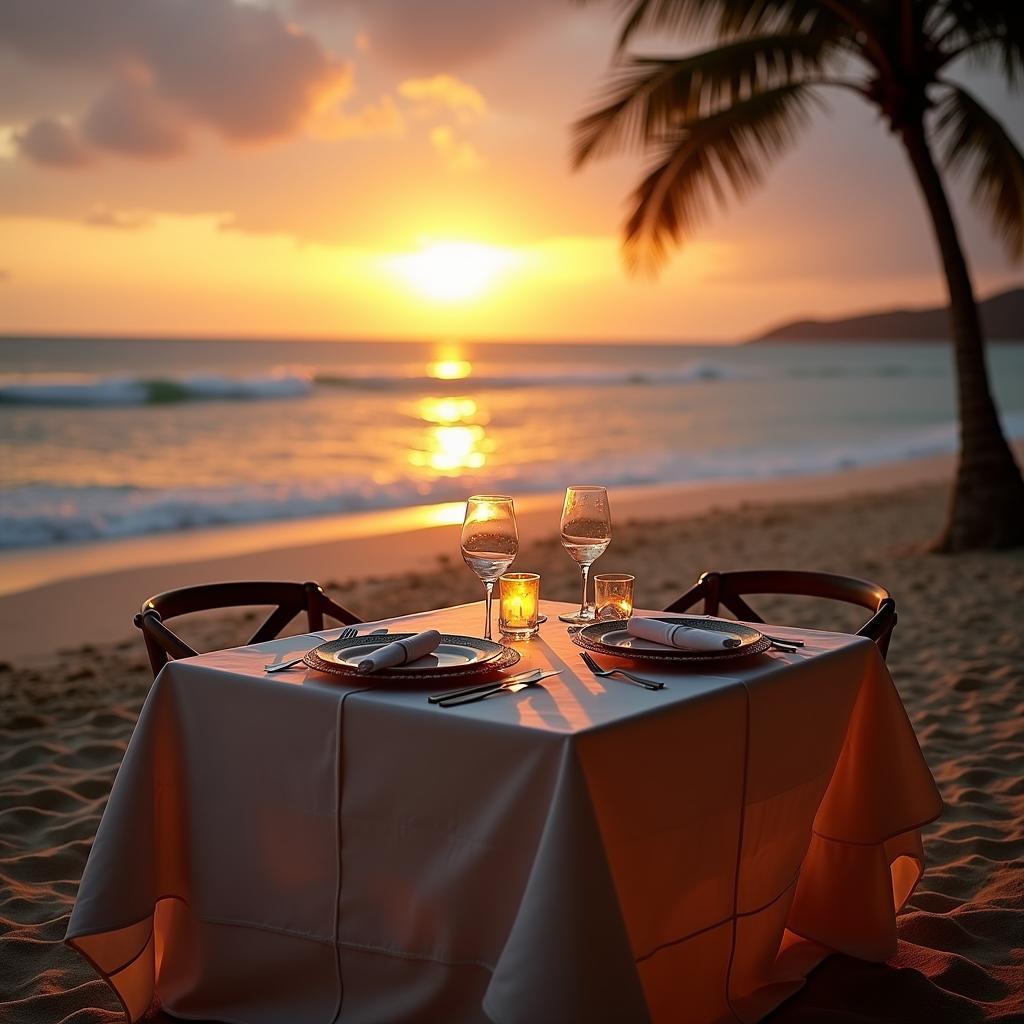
(443, 92)
(382, 118)
(457, 154)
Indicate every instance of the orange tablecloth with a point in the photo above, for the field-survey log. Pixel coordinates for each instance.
(285, 849)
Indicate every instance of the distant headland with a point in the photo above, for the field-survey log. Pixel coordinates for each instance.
(1002, 317)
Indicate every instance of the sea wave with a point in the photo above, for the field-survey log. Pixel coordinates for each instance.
(39, 515)
(485, 380)
(54, 389)
(101, 392)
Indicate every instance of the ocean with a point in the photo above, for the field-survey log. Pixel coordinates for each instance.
(109, 438)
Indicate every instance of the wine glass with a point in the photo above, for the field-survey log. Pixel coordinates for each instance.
(490, 541)
(586, 532)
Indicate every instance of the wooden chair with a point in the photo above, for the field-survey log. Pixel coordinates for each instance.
(290, 598)
(727, 589)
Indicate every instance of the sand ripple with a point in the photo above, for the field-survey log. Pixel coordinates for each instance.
(59, 751)
(958, 659)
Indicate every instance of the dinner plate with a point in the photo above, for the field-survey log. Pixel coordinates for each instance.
(610, 637)
(455, 656)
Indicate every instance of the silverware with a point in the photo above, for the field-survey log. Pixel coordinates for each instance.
(476, 687)
(345, 634)
(513, 685)
(650, 684)
(779, 642)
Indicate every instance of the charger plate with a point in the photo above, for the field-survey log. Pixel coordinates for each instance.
(456, 657)
(610, 637)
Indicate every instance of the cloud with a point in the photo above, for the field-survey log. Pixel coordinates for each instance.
(131, 119)
(457, 154)
(5, 275)
(237, 69)
(102, 216)
(8, 141)
(430, 36)
(374, 120)
(51, 143)
(443, 91)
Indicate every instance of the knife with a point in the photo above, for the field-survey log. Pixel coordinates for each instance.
(477, 687)
(511, 687)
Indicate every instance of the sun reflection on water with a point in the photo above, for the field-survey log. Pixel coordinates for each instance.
(455, 438)
(448, 410)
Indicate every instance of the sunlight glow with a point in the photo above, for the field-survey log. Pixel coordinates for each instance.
(452, 271)
(450, 369)
(264, 285)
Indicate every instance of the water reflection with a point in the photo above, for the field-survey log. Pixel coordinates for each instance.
(455, 438)
(448, 410)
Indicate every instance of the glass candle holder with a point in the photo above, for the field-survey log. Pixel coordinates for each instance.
(519, 605)
(613, 595)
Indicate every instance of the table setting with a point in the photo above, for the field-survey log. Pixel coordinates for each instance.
(611, 814)
(489, 545)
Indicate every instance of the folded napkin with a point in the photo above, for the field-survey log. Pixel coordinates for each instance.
(400, 652)
(677, 634)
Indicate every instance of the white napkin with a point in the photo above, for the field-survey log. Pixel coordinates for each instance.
(691, 638)
(400, 652)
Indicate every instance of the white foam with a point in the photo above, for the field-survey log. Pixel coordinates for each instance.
(37, 515)
(83, 390)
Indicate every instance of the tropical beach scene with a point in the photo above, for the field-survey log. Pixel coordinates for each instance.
(511, 512)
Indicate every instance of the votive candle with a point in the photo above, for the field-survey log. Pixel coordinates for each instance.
(518, 604)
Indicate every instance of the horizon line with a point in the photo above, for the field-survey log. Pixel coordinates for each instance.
(337, 339)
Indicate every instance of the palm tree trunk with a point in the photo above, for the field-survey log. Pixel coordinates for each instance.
(987, 509)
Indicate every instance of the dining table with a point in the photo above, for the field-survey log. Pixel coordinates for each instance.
(298, 848)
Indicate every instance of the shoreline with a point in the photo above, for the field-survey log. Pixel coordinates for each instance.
(94, 590)
(23, 569)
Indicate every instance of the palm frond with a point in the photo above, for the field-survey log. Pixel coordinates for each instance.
(729, 18)
(651, 97)
(973, 139)
(984, 29)
(727, 151)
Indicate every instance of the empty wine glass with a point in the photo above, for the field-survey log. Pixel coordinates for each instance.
(586, 532)
(490, 541)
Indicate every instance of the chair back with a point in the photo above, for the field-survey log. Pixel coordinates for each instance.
(289, 599)
(729, 589)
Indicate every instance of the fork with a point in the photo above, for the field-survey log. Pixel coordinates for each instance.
(280, 666)
(649, 684)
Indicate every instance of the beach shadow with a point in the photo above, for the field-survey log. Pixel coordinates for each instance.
(845, 990)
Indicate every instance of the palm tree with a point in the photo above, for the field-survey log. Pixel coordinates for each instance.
(715, 119)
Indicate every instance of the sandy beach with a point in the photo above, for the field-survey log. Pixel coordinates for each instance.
(957, 658)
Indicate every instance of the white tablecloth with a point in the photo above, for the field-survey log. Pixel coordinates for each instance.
(286, 849)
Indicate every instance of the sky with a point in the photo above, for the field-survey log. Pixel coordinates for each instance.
(395, 169)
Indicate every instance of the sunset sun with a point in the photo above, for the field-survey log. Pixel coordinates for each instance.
(452, 271)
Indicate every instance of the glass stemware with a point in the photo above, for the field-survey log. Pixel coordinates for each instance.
(490, 542)
(586, 532)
